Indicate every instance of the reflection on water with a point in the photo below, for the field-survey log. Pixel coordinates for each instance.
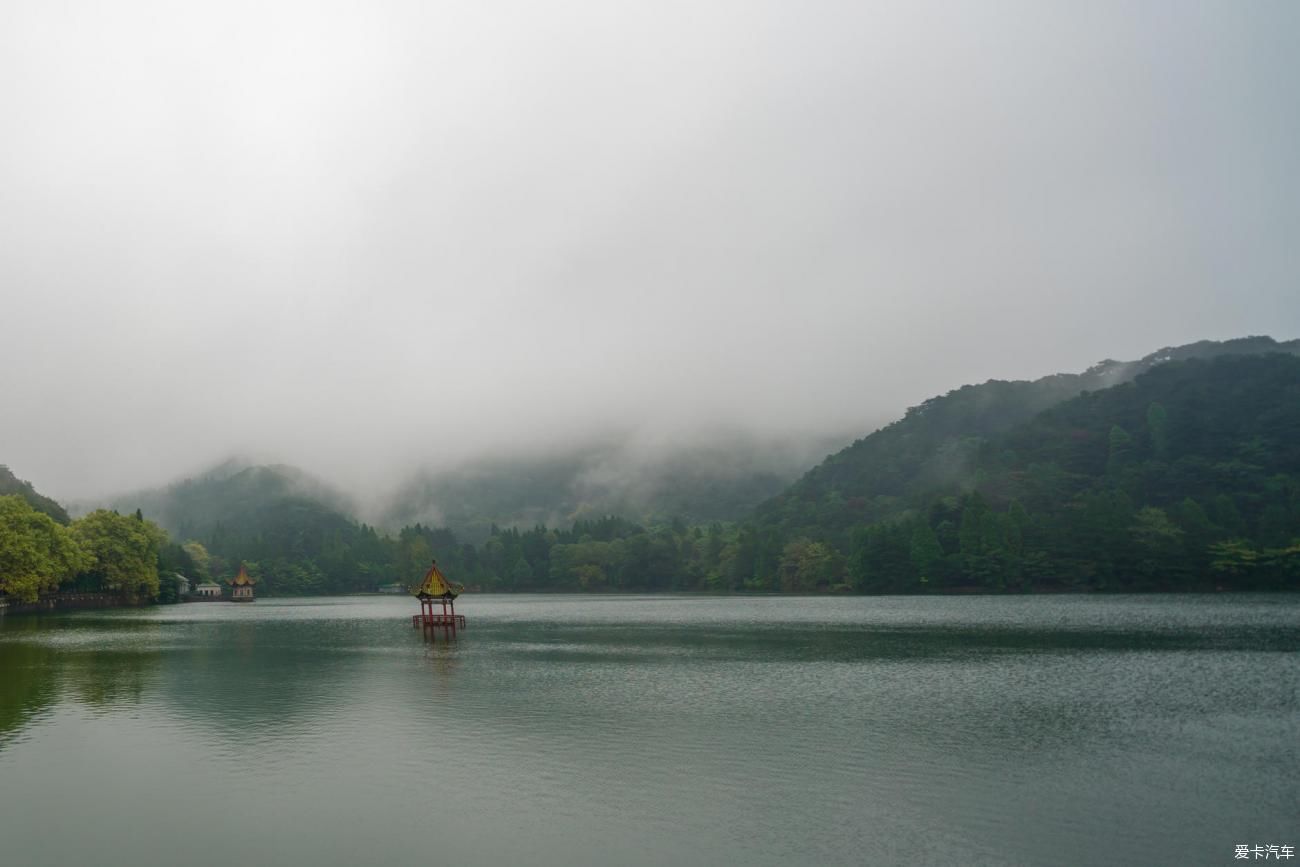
(596, 730)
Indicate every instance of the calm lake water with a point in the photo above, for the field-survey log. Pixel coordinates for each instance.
(654, 730)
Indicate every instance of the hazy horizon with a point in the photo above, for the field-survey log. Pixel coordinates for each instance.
(364, 238)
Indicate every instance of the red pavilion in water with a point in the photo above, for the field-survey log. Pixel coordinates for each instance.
(436, 590)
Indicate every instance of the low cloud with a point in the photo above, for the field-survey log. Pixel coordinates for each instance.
(373, 237)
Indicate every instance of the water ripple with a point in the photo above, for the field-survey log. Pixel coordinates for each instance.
(647, 730)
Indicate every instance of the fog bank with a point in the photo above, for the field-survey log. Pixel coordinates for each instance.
(364, 238)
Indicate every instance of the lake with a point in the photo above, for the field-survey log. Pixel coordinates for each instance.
(576, 730)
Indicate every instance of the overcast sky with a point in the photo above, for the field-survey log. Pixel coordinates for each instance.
(361, 235)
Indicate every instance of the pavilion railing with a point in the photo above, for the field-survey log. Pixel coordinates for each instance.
(456, 621)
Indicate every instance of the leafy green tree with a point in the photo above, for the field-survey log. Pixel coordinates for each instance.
(1198, 532)
(1120, 450)
(880, 560)
(1158, 430)
(1018, 527)
(972, 538)
(1158, 542)
(173, 560)
(521, 574)
(36, 553)
(123, 552)
(200, 558)
(1283, 566)
(1275, 525)
(806, 565)
(591, 577)
(1234, 560)
(925, 552)
(1224, 512)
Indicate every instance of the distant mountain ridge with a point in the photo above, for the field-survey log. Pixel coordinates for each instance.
(1186, 478)
(935, 443)
(1178, 471)
(727, 478)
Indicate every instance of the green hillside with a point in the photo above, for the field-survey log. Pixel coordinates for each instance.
(12, 485)
(285, 523)
(233, 495)
(1187, 477)
(934, 447)
(1179, 471)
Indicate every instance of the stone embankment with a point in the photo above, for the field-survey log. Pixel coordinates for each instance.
(61, 602)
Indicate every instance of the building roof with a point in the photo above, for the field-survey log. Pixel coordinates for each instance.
(242, 578)
(436, 585)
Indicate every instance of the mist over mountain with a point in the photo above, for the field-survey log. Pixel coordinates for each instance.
(788, 484)
(716, 478)
(363, 239)
(1169, 472)
(720, 478)
(233, 494)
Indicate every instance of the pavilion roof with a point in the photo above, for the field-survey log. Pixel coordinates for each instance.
(436, 584)
(242, 578)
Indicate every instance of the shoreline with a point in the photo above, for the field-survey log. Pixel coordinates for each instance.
(64, 602)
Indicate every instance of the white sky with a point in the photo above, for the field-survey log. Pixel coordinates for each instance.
(362, 236)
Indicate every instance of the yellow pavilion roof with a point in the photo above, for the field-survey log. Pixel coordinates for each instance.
(436, 584)
(242, 578)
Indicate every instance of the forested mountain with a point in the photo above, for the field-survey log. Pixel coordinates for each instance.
(12, 485)
(1187, 477)
(719, 478)
(274, 515)
(934, 446)
(1179, 471)
(232, 497)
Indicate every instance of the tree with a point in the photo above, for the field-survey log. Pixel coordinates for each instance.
(1018, 524)
(1158, 429)
(1275, 525)
(521, 574)
(880, 559)
(1120, 450)
(1233, 559)
(925, 553)
(1283, 565)
(173, 560)
(123, 552)
(971, 537)
(806, 565)
(983, 544)
(1158, 541)
(36, 553)
(200, 557)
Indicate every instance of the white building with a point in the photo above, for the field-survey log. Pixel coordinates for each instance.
(208, 590)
